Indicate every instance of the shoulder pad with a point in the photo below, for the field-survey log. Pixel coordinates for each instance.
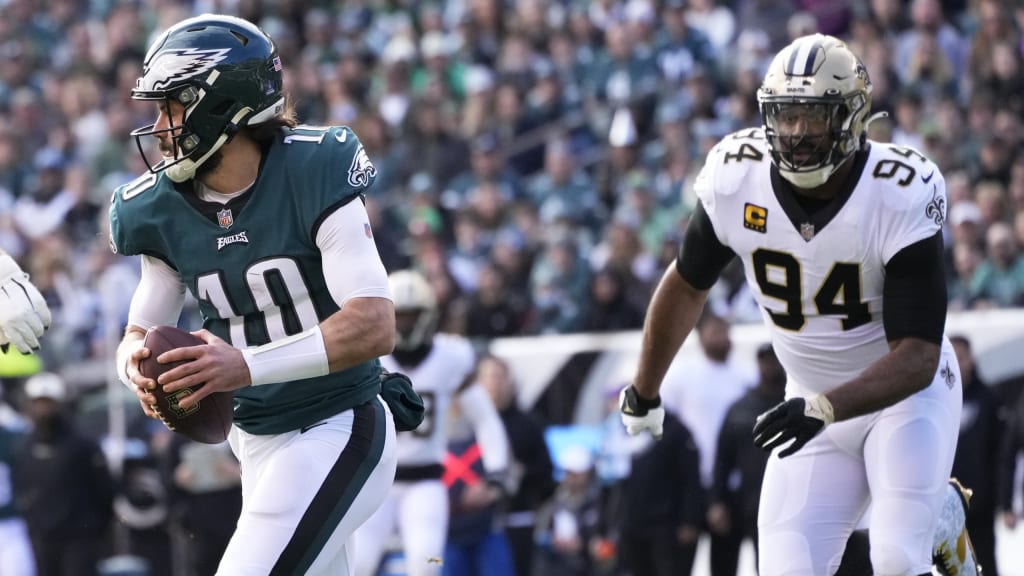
(728, 164)
(335, 152)
(907, 178)
(131, 208)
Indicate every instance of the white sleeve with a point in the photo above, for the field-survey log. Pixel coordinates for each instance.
(351, 265)
(159, 297)
(476, 405)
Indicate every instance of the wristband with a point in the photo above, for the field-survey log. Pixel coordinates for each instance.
(123, 357)
(643, 403)
(300, 356)
(819, 407)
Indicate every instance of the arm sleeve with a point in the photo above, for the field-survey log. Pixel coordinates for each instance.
(159, 297)
(351, 264)
(476, 405)
(914, 295)
(702, 257)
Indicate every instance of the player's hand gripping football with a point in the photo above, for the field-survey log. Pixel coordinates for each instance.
(213, 367)
(639, 413)
(796, 419)
(24, 315)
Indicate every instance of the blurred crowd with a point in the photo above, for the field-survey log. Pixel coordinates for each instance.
(535, 157)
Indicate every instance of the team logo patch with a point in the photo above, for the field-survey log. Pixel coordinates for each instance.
(175, 64)
(362, 170)
(936, 208)
(367, 230)
(755, 218)
(239, 238)
(225, 218)
(948, 376)
(807, 231)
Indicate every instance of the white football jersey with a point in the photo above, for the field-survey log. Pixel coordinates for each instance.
(819, 280)
(437, 378)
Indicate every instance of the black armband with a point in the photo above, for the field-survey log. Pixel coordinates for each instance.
(914, 297)
(702, 257)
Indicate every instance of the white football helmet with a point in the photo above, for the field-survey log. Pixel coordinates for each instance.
(411, 293)
(815, 102)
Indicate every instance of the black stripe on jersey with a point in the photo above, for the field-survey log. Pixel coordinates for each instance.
(787, 195)
(343, 483)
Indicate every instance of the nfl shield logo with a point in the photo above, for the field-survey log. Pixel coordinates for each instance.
(807, 231)
(225, 218)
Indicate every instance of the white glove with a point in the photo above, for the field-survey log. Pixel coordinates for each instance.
(639, 414)
(24, 315)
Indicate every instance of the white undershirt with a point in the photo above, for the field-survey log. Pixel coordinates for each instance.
(352, 267)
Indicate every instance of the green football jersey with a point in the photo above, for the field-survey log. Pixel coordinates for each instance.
(253, 263)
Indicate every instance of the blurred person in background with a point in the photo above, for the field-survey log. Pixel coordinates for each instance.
(977, 461)
(735, 493)
(205, 488)
(64, 489)
(700, 393)
(654, 497)
(569, 523)
(531, 473)
(16, 555)
(443, 366)
(999, 279)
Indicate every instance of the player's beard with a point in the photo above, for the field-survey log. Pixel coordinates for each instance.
(211, 164)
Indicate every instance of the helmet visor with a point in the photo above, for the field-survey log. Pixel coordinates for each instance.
(804, 134)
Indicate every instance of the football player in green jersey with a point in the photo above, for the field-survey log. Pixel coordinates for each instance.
(263, 222)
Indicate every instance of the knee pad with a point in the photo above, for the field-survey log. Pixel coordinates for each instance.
(891, 559)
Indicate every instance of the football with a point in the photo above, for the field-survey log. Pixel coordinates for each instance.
(210, 420)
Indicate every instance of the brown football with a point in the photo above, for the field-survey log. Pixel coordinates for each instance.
(210, 420)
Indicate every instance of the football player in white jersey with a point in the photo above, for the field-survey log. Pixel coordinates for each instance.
(443, 367)
(24, 315)
(840, 239)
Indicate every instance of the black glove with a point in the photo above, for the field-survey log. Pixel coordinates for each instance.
(796, 419)
(406, 405)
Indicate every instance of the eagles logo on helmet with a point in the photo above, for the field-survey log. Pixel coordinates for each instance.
(226, 74)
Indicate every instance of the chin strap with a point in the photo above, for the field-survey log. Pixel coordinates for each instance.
(186, 169)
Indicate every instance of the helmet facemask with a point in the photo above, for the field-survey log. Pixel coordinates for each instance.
(184, 143)
(414, 327)
(811, 138)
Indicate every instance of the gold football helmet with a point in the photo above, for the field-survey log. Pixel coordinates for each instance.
(815, 102)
